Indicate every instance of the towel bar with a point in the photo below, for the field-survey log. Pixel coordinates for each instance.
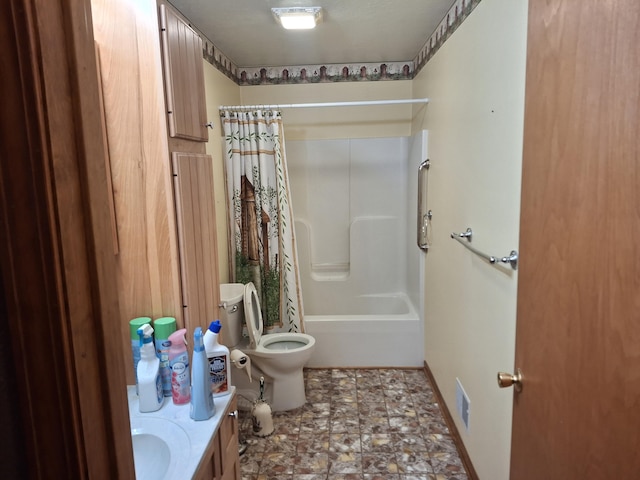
(512, 259)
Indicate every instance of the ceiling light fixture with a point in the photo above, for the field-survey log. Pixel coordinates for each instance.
(298, 18)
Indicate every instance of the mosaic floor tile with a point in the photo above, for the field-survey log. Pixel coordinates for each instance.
(310, 463)
(313, 442)
(345, 442)
(377, 409)
(384, 462)
(379, 442)
(415, 462)
(345, 462)
(357, 424)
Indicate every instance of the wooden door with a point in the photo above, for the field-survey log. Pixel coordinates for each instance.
(65, 413)
(578, 331)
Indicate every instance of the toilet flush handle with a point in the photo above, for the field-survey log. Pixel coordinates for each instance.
(233, 309)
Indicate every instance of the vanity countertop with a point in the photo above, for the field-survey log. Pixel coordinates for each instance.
(200, 433)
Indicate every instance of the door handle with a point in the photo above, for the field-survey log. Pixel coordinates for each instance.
(509, 379)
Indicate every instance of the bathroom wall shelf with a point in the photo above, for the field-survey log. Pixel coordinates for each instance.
(512, 259)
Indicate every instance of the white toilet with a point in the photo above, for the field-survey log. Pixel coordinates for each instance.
(279, 357)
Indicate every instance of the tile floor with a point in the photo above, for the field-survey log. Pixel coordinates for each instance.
(357, 424)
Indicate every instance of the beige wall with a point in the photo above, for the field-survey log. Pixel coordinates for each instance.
(475, 83)
(219, 90)
(337, 122)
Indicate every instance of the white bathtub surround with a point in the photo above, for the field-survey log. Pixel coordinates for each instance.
(261, 215)
(354, 204)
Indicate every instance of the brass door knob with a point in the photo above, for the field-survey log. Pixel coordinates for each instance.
(508, 379)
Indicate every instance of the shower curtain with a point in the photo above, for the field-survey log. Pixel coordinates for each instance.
(260, 216)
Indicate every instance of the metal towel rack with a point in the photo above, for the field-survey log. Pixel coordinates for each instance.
(512, 259)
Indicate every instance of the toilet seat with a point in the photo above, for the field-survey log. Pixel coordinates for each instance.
(252, 315)
(273, 342)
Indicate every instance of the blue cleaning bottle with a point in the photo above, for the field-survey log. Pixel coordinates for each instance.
(202, 406)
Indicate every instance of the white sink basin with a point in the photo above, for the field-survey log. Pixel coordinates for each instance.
(160, 448)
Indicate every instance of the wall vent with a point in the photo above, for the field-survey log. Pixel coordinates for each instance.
(462, 404)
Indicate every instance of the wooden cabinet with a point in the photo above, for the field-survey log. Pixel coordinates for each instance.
(196, 225)
(221, 460)
(184, 77)
(147, 267)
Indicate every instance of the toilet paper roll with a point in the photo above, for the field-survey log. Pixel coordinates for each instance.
(241, 361)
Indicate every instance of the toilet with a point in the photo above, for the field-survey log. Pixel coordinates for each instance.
(279, 357)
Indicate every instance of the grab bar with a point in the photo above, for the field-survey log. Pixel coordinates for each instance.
(512, 259)
(424, 217)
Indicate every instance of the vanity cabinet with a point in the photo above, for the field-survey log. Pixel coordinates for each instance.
(221, 460)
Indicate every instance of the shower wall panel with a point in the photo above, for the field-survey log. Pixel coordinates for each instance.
(349, 202)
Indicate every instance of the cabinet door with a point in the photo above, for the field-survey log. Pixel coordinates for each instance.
(183, 77)
(196, 221)
(229, 444)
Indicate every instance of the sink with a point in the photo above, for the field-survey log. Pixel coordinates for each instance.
(160, 448)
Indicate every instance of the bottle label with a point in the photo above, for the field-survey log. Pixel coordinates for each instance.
(135, 350)
(218, 381)
(162, 352)
(180, 381)
(159, 392)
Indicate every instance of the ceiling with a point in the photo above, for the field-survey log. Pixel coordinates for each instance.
(351, 31)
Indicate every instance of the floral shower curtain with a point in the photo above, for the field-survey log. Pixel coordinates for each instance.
(260, 215)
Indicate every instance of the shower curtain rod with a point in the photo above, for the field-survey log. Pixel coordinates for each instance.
(325, 104)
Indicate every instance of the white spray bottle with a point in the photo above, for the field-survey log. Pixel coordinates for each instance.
(150, 396)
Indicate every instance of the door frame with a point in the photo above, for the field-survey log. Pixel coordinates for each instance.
(57, 263)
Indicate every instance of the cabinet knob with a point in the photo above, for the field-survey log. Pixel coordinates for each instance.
(234, 414)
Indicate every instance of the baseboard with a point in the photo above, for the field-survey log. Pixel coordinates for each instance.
(362, 368)
(455, 434)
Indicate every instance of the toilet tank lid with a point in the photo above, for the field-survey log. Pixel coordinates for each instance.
(231, 292)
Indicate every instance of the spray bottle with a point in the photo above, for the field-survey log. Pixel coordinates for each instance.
(134, 325)
(218, 357)
(179, 364)
(202, 406)
(164, 327)
(148, 370)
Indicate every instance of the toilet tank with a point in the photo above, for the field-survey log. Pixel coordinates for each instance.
(232, 313)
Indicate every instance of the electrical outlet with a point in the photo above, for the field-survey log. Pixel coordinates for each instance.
(463, 404)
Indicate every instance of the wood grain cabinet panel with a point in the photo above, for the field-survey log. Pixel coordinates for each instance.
(196, 222)
(221, 461)
(183, 77)
(228, 437)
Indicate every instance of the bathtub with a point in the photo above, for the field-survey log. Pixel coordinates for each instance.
(371, 331)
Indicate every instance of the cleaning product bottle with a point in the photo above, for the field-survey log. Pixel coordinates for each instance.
(150, 395)
(202, 406)
(179, 364)
(164, 327)
(134, 325)
(218, 358)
